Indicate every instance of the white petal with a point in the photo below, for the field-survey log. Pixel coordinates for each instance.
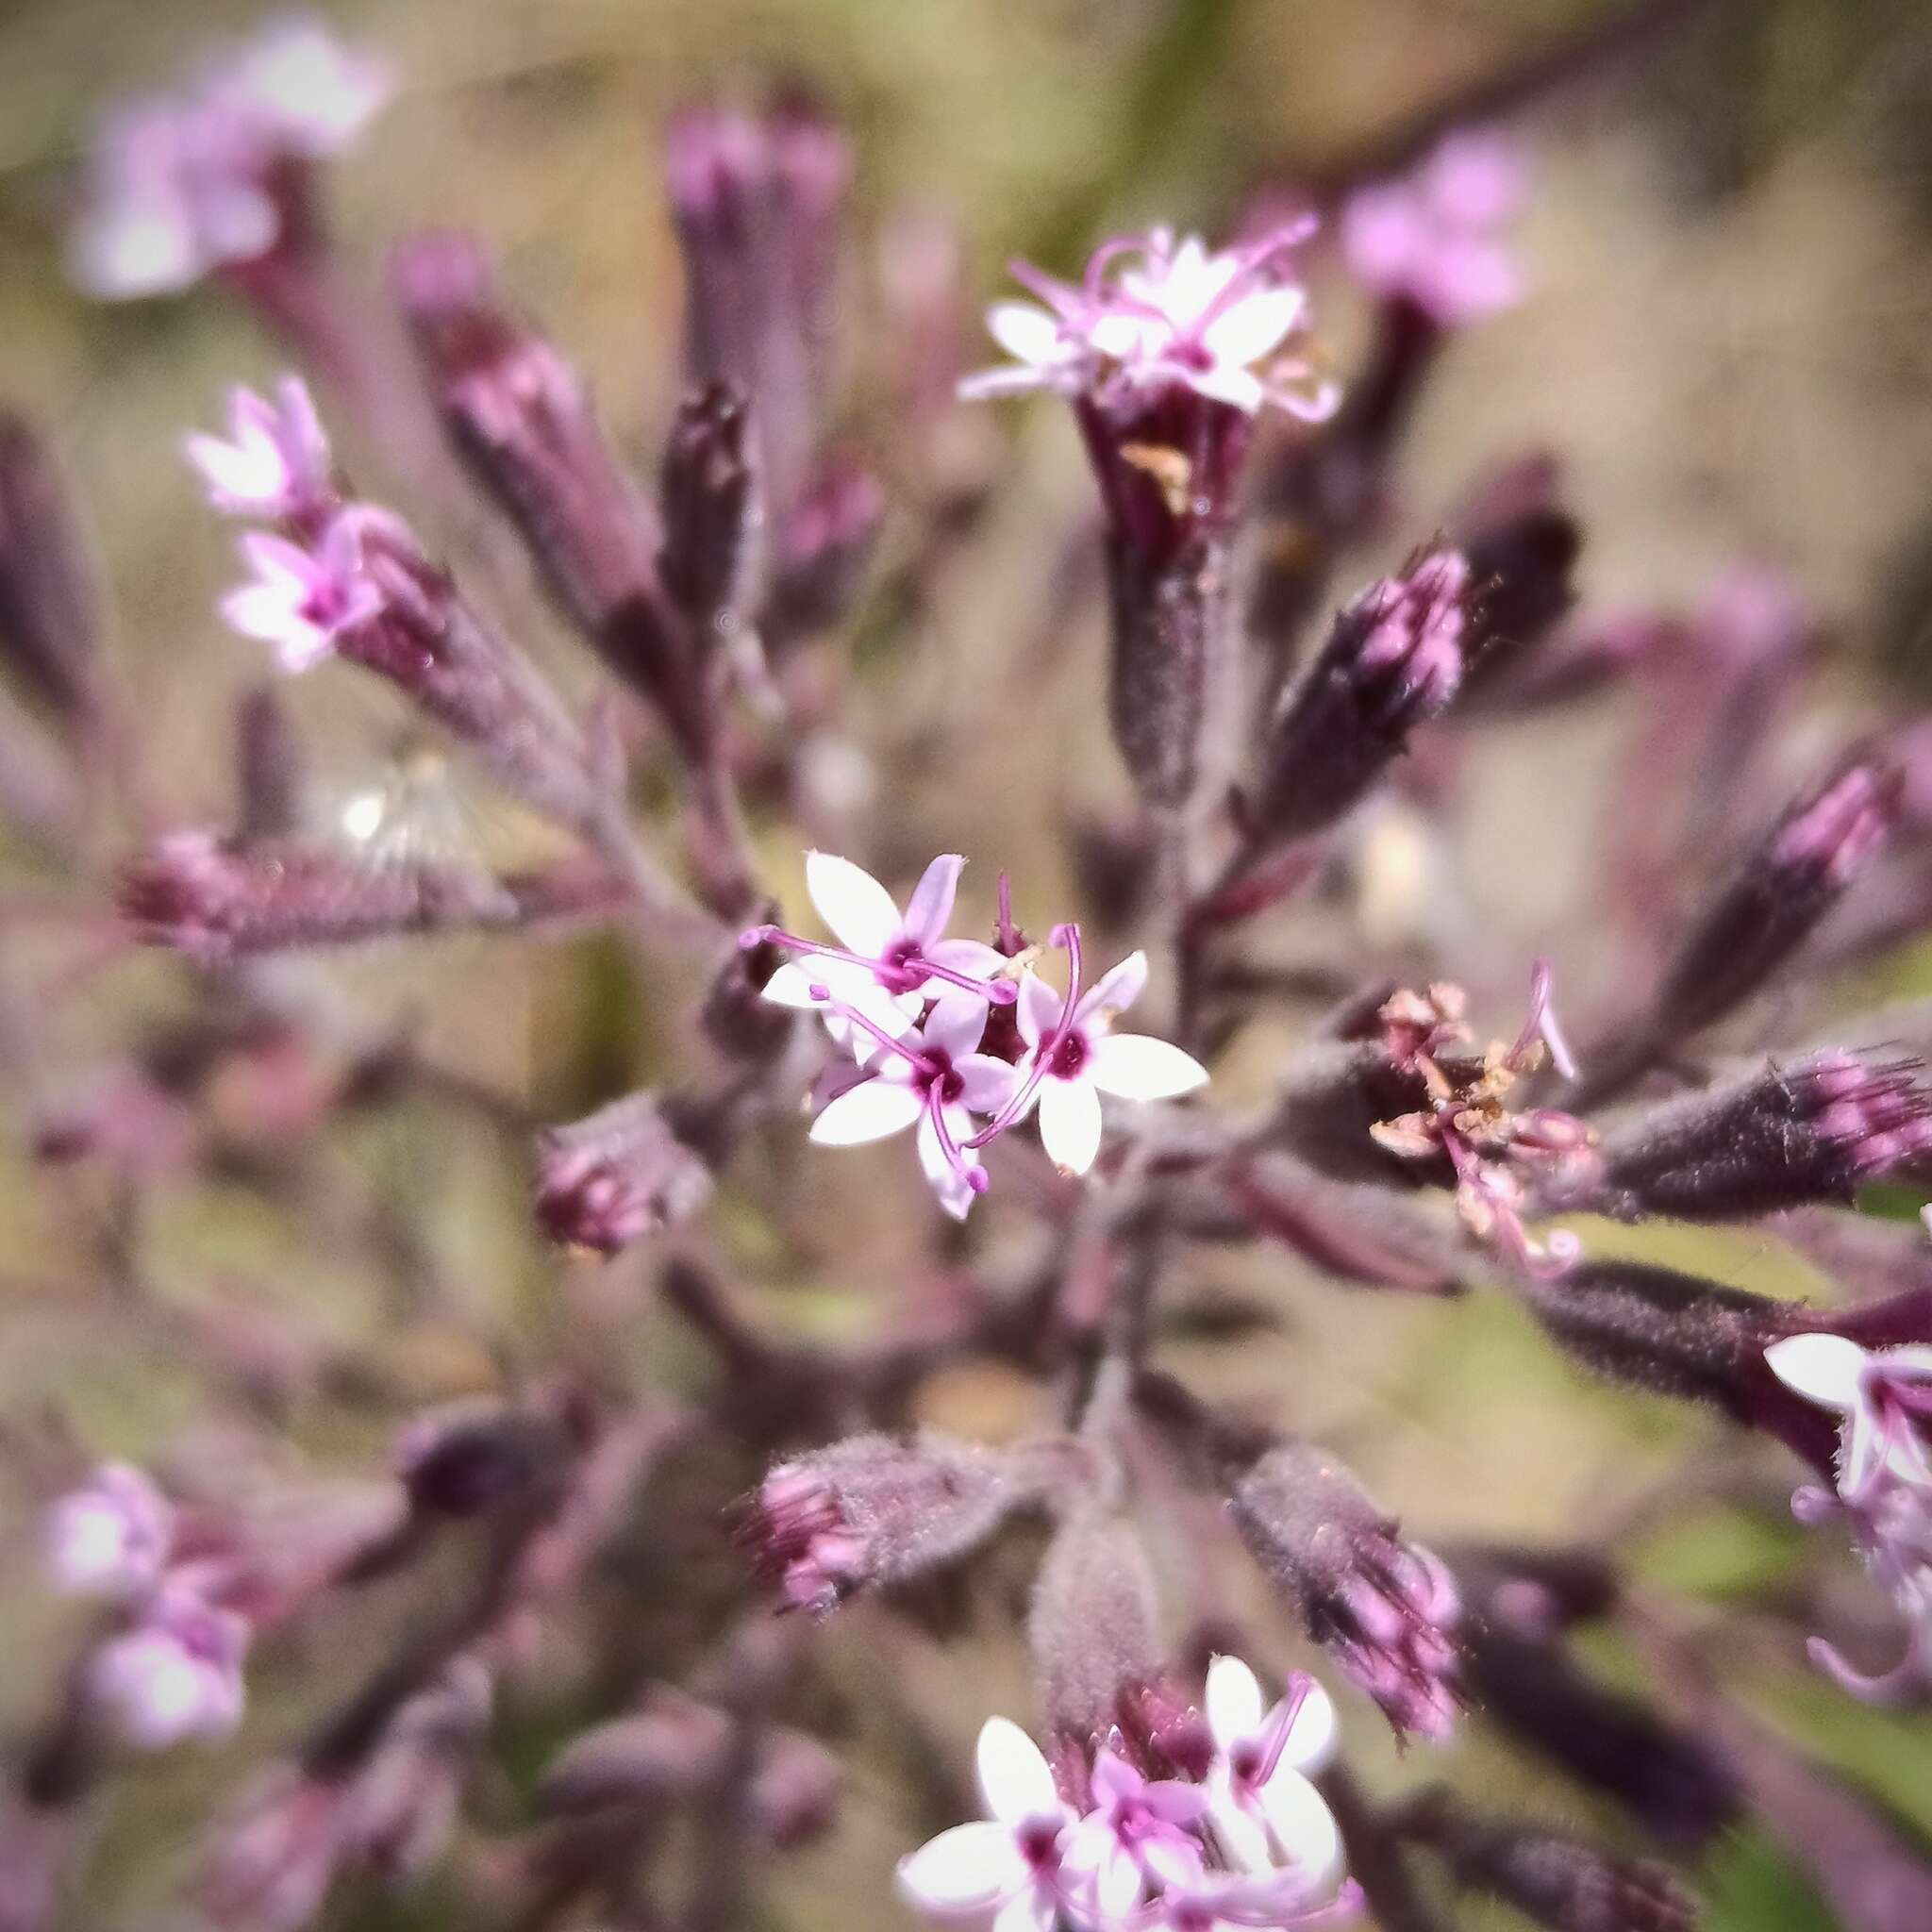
(1136, 1066)
(869, 1111)
(1822, 1368)
(1039, 1009)
(952, 1189)
(1239, 388)
(1312, 1736)
(1115, 990)
(986, 1083)
(1026, 333)
(974, 958)
(1014, 1777)
(1031, 1909)
(1253, 326)
(1070, 1123)
(1234, 1701)
(858, 910)
(1304, 1827)
(984, 384)
(792, 984)
(966, 1869)
(931, 904)
(1241, 1835)
(956, 1022)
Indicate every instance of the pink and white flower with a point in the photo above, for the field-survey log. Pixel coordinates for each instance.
(1884, 1483)
(302, 599)
(175, 1673)
(274, 463)
(1266, 1813)
(1435, 237)
(111, 1537)
(180, 184)
(1073, 1056)
(887, 963)
(934, 1079)
(1152, 313)
(1012, 1864)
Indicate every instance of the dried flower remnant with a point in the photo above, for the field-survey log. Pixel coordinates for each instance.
(181, 185)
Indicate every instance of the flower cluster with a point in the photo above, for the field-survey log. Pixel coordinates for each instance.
(911, 1009)
(185, 183)
(1250, 1844)
(1883, 1491)
(172, 1669)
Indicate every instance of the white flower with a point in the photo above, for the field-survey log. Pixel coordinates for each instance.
(1266, 1813)
(296, 79)
(111, 1537)
(1885, 1396)
(933, 1077)
(1076, 1057)
(1010, 1864)
(301, 600)
(176, 1674)
(887, 963)
(1154, 313)
(276, 464)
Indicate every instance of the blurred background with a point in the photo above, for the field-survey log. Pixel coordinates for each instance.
(1728, 341)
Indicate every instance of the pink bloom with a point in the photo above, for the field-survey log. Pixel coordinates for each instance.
(1139, 1835)
(1075, 1056)
(1154, 313)
(1434, 238)
(887, 963)
(111, 1536)
(180, 184)
(1012, 1864)
(176, 1674)
(932, 1077)
(1266, 1813)
(301, 600)
(275, 464)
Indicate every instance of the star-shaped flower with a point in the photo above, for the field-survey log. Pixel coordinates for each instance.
(276, 463)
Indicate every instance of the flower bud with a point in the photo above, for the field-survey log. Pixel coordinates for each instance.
(1092, 1629)
(402, 1806)
(1812, 1130)
(710, 512)
(823, 549)
(1557, 1880)
(1334, 1093)
(795, 1790)
(1386, 1609)
(1393, 659)
(620, 1173)
(873, 1511)
(471, 1459)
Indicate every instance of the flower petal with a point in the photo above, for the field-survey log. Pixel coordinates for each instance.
(967, 1869)
(931, 904)
(792, 985)
(1253, 327)
(1823, 1369)
(950, 1187)
(1014, 1777)
(1115, 990)
(1033, 1909)
(869, 1111)
(1303, 1828)
(1026, 332)
(974, 958)
(956, 1022)
(1136, 1066)
(853, 904)
(1313, 1735)
(1038, 1010)
(1233, 1699)
(985, 1083)
(1070, 1123)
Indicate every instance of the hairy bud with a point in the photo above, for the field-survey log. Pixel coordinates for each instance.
(1806, 1132)
(1393, 659)
(873, 1511)
(710, 512)
(620, 1173)
(49, 624)
(1384, 1608)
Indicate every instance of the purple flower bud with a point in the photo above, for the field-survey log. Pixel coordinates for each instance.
(1557, 1880)
(823, 549)
(620, 1173)
(672, 1745)
(1392, 661)
(219, 902)
(473, 1458)
(1386, 1609)
(1092, 1630)
(1813, 1130)
(402, 1806)
(1333, 1094)
(1797, 873)
(710, 512)
(49, 618)
(796, 1790)
(873, 1511)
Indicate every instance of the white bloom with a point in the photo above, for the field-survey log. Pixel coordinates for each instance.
(1077, 1057)
(276, 463)
(1266, 1813)
(1010, 1864)
(175, 1674)
(111, 1537)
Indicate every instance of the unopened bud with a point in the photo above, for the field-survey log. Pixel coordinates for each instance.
(1808, 1131)
(795, 1790)
(1393, 659)
(620, 1173)
(1386, 1609)
(873, 1511)
(1092, 1629)
(672, 1744)
(710, 512)
(1557, 1880)
(824, 548)
(49, 623)
(474, 1458)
